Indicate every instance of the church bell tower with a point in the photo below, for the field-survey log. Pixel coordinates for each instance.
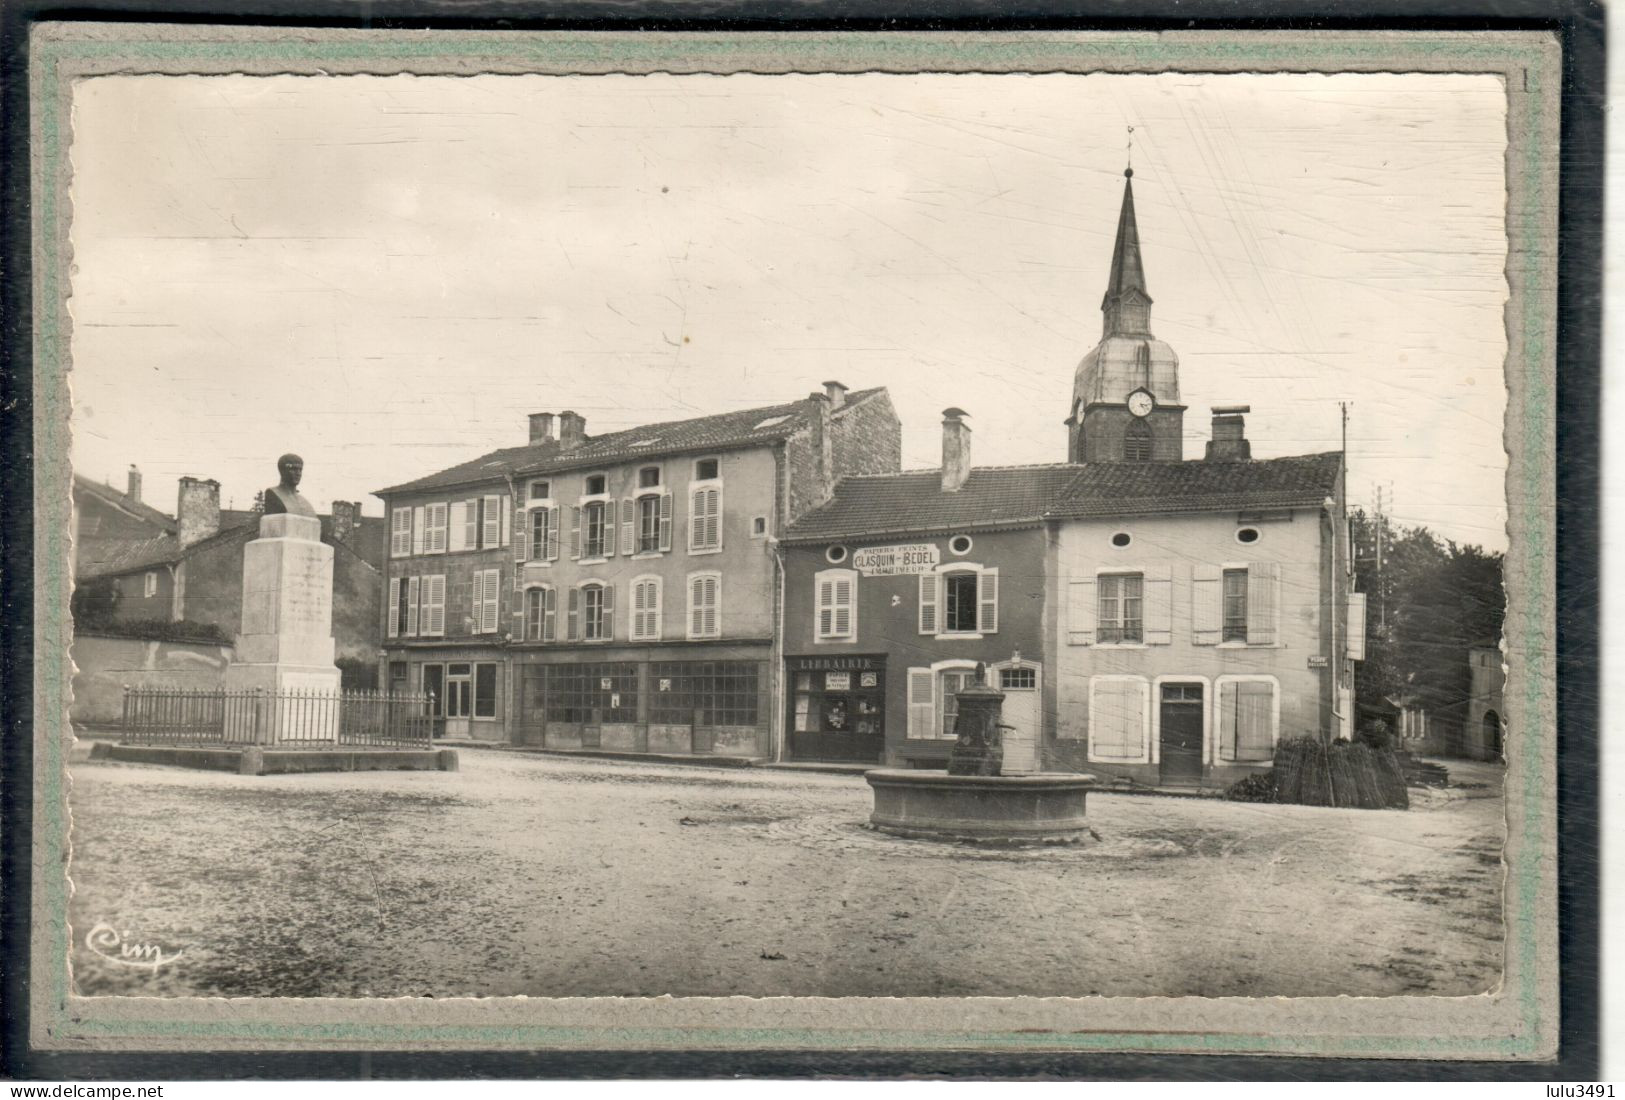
(1125, 395)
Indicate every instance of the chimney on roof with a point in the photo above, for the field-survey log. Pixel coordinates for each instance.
(836, 392)
(346, 518)
(572, 430)
(197, 510)
(1229, 442)
(541, 428)
(133, 484)
(955, 450)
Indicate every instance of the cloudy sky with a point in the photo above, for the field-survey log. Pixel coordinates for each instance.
(387, 274)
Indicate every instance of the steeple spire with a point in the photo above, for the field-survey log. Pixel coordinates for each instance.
(1127, 304)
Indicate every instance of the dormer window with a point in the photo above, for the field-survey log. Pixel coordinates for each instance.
(595, 485)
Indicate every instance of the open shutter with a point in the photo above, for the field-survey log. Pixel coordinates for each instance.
(1207, 604)
(521, 535)
(1356, 626)
(491, 522)
(843, 606)
(1263, 600)
(573, 616)
(549, 614)
(1157, 607)
(665, 521)
(413, 594)
(987, 602)
(550, 537)
(417, 529)
(713, 606)
(608, 633)
(715, 528)
(1081, 609)
(921, 707)
(826, 608)
(471, 524)
(493, 599)
(575, 532)
(640, 610)
(929, 585)
(476, 600)
(434, 603)
(506, 511)
(629, 511)
(457, 535)
(392, 623)
(609, 528)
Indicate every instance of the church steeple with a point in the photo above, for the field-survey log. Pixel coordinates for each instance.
(1127, 304)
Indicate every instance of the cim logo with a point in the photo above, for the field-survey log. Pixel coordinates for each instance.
(108, 943)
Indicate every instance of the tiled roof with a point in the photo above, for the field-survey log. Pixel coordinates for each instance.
(748, 426)
(132, 555)
(109, 495)
(129, 555)
(992, 496)
(1141, 488)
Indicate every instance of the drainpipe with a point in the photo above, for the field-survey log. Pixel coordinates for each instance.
(775, 675)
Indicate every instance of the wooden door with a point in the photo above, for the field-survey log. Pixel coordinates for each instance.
(1180, 743)
(1020, 714)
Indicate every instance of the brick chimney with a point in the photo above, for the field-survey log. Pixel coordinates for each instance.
(197, 511)
(346, 518)
(541, 428)
(955, 450)
(572, 430)
(836, 392)
(1229, 442)
(133, 484)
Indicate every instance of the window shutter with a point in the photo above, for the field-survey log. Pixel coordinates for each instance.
(715, 528)
(400, 532)
(1263, 600)
(521, 535)
(476, 600)
(1356, 626)
(929, 585)
(826, 608)
(629, 510)
(435, 602)
(491, 517)
(665, 521)
(657, 593)
(575, 532)
(1157, 606)
(417, 529)
(393, 622)
(608, 514)
(413, 594)
(987, 602)
(713, 606)
(549, 614)
(608, 632)
(572, 617)
(1080, 611)
(1207, 604)
(843, 607)
(696, 601)
(921, 706)
(550, 538)
(1117, 721)
(458, 535)
(493, 598)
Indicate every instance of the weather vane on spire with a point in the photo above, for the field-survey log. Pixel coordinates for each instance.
(1129, 170)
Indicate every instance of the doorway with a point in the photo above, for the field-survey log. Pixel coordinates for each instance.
(1020, 684)
(1180, 741)
(459, 688)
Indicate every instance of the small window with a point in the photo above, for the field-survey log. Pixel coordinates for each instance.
(540, 490)
(1122, 539)
(1247, 535)
(149, 585)
(1120, 618)
(1018, 679)
(705, 469)
(595, 485)
(758, 526)
(1235, 605)
(649, 477)
(835, 555)
(960, 544)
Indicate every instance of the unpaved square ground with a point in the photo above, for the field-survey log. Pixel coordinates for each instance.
(536, 875)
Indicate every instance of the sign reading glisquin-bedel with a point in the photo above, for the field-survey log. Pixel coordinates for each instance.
(891, 561)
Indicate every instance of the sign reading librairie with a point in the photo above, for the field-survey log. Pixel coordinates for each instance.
(890, 561)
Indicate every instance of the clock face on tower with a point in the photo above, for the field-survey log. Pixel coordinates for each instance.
(1140, 403)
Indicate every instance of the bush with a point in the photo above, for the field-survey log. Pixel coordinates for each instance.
(159, 630)
(1375, 734)
(356, 674)
(1258, 787)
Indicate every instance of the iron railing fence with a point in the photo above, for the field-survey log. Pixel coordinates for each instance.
(290, 718)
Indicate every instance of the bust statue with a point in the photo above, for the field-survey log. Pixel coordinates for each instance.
(284, 496)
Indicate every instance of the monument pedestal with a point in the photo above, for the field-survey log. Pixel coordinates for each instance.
(285, 646)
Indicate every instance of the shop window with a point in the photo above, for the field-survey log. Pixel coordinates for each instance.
(722, 693)
(838, 702)
(575, 691)
(485, 691)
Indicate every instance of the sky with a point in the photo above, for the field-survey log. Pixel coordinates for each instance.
(386, 274)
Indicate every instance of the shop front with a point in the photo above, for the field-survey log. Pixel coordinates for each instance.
(837, 708)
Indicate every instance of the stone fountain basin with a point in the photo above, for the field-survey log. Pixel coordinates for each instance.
(983, 809)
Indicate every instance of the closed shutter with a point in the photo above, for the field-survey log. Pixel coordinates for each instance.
(457, 536)
(400, 532)
(1246, 721)
(826, 608)
(609, 613)
(434, 537)
(1263, 599)
(493, 598)
(665, 521)
(549, 614)
(1117, 721)
(629, 512)
(696, 607)
(713, 607)
(1080, 611)
(434, 605)
(491, 521)
(572, 618)
(656, 595)
(392, 622)
(714, 531)
(417, 529)
(987, 602)
(521, 535)
(922, 716)
(471, 524)
(575, 532)
(1157, 606)
(1207, 604)
(843, 607)
(413, 594)
(1356, 626)
(930, 583)
(476, 600)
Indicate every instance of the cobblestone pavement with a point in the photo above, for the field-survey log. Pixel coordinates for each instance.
(547, 876)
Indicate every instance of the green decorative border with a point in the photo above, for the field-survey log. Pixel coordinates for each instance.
(1524, 1023)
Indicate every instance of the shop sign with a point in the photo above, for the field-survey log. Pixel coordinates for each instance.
(820, 664)
(895, 561)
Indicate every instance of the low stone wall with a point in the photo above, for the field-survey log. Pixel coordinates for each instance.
(104, 665)
(258, 761)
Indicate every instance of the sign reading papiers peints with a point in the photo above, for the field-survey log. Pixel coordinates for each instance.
(893, 561)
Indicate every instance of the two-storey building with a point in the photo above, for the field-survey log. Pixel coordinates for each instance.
(617, 592)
